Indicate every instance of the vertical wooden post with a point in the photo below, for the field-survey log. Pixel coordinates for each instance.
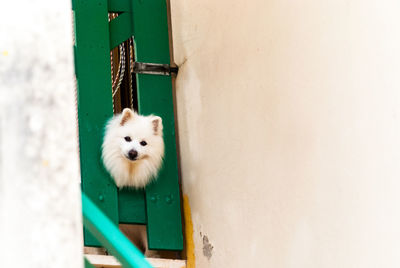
(150, 27)
(92, 63)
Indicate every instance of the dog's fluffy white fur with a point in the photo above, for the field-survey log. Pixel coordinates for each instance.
(133, 148)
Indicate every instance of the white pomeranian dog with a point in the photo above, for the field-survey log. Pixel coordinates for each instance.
(133, 148)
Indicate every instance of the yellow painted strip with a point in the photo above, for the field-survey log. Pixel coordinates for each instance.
(190, 263)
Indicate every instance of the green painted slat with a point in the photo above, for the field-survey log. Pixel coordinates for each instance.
(131, 206)
(110, 236)
(131, 203)
(155, 96)
(120, 29)
(151, 31)
(92, 68)
(119, 6)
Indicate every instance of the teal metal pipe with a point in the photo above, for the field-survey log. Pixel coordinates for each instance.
(110, 236)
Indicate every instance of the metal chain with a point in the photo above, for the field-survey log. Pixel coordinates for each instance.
(119, 75)
(116, 79)
(121, 69)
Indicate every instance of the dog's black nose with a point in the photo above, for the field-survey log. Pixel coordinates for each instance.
(132, 154)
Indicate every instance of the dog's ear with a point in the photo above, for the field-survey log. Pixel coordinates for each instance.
(156, 121)
(127, 114)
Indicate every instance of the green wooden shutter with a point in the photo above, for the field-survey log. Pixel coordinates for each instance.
(159, 205)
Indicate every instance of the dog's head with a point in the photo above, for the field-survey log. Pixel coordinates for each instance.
(140, 137)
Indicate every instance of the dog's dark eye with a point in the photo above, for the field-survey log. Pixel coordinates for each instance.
(143, 143)
(128, 139)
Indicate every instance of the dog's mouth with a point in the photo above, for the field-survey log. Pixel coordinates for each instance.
(136, 158)
(132, 159)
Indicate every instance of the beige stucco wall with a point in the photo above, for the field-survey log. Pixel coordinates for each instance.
(289, 125)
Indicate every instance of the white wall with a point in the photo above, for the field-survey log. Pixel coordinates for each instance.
(289, 125)
(40, 210)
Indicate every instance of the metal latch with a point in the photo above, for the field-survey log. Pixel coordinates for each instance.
(154, 68)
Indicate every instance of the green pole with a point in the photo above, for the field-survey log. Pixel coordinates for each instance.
(110, 236)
